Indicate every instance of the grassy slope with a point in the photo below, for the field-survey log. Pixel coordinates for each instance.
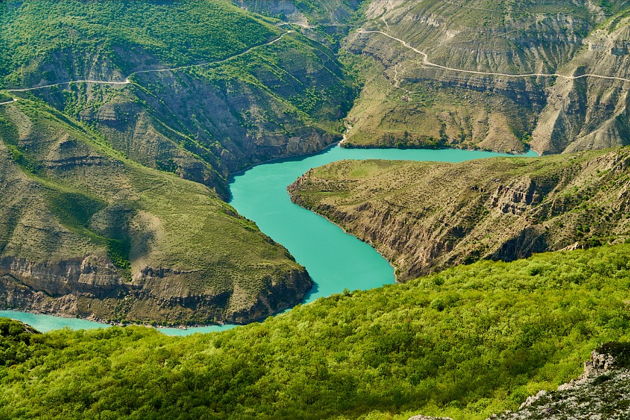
(190, 32)
(427, 216)
(203, 123)
(71, 196)
(467, 342)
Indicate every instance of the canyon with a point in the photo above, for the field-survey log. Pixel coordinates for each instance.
(424, 217)
(289, 82)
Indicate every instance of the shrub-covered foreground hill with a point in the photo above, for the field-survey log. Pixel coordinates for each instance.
(466, 342)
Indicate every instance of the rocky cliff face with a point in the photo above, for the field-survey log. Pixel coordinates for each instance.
(427, 216)
(590, 113)
(437, 75)
(162, 298)
(88, 233)
(602, 392)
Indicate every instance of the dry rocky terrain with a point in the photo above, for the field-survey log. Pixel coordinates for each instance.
(425, 216)
(481, 74)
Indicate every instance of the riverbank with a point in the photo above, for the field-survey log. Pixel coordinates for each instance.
(336, 260)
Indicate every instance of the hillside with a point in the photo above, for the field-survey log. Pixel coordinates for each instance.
(426, 216)
(327, 21)
(86, 232)
(465, 343)
(200, 90)
(122, 122)
(500, 75)
(244, 90)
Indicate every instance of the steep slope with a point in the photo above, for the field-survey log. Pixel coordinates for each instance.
(465, 343)
(323, 16)
(427, 216)
(88, 233)
(326, 21)
(243, 90)
(478, 74)
(588, 113)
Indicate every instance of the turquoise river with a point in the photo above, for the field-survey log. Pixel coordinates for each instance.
(335, 260)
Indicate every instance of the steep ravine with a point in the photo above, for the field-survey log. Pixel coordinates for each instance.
(424, 217)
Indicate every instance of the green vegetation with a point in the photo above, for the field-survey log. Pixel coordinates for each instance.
(96, 220)
(84, 160)
(248, 101)
(467, 342)
(15, 342)
(163, 249)
(620, 351)
(177, 33)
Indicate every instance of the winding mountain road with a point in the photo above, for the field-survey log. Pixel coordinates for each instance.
(428, 63)
(425, 62)
(72, 82)
(127, 80)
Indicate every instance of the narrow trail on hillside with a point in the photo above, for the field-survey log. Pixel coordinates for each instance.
(72, 82)
(426, 62)
(127, 80)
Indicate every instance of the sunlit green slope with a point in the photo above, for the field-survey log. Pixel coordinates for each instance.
(255, 91)
(467, 342)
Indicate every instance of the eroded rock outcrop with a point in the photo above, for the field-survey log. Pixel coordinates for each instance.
(602, 392)
(427, 216)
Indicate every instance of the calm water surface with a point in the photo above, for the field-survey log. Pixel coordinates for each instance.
(335, 260)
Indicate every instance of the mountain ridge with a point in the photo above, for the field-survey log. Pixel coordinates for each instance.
(407, 103)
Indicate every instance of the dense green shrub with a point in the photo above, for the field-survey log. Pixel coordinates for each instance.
(466, 342)
(176, 32)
